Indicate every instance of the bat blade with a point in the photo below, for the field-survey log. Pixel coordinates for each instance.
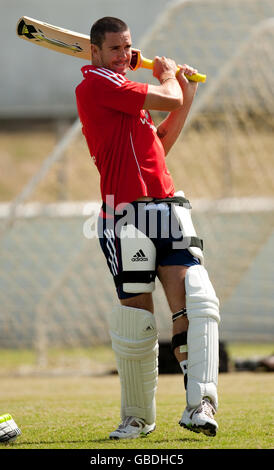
(54, 38)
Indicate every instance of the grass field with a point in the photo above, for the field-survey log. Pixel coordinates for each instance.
(78, 412)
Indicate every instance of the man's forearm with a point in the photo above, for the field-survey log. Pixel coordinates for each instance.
(170, 128)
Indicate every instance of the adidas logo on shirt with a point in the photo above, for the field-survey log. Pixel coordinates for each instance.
(139, 256)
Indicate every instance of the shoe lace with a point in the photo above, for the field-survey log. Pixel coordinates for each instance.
(130, 420)
(124, 423)
(208, 408)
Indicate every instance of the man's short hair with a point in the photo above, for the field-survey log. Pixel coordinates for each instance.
(108, 24)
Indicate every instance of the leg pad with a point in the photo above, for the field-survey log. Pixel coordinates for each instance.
(203, 340)
(135, 342)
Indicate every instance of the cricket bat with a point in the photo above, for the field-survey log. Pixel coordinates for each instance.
(75, 44)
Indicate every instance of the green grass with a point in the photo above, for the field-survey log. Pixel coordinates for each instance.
(249, 350)
(79, 412)
(99, 358)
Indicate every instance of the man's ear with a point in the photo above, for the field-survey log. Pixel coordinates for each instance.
(94, 52)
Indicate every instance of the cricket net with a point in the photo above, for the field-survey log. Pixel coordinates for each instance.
(55, 286)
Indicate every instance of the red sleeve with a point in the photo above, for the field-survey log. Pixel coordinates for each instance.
(122, 95)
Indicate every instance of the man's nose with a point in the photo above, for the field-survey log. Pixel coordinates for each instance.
(123, 53)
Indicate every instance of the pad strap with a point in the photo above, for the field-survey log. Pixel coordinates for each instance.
(181, 313)
(135, 277)
(178, 340)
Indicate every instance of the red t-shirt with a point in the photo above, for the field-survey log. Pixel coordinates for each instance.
(121, 136)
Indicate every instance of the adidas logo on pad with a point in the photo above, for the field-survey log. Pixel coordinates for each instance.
(140, 256)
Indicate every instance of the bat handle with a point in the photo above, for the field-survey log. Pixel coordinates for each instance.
(147, 63)
(197, 77)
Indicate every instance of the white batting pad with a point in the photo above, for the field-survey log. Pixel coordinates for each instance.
(203, 338)
(135, 342)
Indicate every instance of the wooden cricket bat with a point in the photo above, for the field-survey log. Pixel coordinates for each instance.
(75, 44)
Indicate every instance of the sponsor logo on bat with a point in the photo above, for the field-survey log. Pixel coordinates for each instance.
(38, 35)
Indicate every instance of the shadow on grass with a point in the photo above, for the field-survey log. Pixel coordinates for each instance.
(110, 443)
(59, 442)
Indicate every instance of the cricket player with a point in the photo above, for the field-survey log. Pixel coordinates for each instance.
(145, 230)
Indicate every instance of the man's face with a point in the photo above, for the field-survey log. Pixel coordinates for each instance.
(115, 53)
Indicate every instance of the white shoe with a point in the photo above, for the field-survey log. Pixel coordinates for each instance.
(131, 428)
(9, 430)
(200, 419)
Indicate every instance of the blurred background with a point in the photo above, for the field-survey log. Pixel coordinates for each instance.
(55, 289)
